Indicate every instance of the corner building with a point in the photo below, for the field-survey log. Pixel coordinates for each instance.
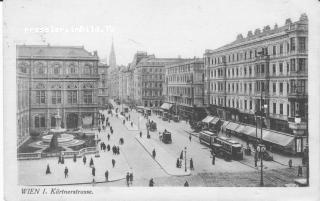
(184, 89)
(268, 67)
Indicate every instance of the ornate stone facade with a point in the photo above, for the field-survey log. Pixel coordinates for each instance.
(52, 78)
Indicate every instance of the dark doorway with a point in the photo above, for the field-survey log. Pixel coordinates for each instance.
(53, 122)
(72, 120)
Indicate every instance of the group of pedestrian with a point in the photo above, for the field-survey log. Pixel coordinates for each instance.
(104, 147)
(129, 178)
(61, 159)
(115, 150)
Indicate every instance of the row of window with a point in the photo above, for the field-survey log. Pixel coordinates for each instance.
(181, 78)
(247, 105)
(70, 70)
(274, 50)
(180, 101)
(183, 68)
(152, 69)
(152, 84)
(154, 93)
(261, 69)
(152, 77)
(152, 103)
(72, 97)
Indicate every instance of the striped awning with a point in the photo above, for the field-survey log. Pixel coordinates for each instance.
(215, 120)
(208, 119)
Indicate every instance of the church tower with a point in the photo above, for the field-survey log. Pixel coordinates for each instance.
(112, 57)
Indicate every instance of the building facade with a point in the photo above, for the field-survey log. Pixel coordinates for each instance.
(268, 68)
(56, 80)
(149, 76)
(184, 88)
(103, 94)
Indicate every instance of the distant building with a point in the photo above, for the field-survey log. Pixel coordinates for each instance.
(268, 68)
(56, 79)
(148, 77)
(103, 94)
(184, 88)
(113, 76)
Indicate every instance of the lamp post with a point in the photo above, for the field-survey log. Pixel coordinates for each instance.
(185, 159)
(261, 149)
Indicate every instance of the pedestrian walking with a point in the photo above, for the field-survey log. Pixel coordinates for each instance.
(186, 184)
(108, 136)
(74, 158)
(66, 172)
(181, 155)
(108, 147)
(48, 170)
(131, 177)
(91, 162)
(290, 163)
(213, 159)
(191, 164)
(255, 162)
(140, 133)
(300, 171)
(190, 137)
(93, 171)
(178, 163)
(113, 162)
(151, 182)
(106, 175)
(153, 153)
(93, 182)
(84, 159)
(127, 178)
(62, 160)
(59, 160)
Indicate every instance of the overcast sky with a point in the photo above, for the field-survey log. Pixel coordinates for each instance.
(166, 28)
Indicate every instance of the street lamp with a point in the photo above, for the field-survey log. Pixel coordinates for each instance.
(261, 149)
(185, 159)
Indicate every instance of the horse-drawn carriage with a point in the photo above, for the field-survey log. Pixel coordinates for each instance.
(152, 126)
(165, 137)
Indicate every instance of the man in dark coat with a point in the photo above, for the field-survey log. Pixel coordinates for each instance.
(106, 175)
(290, 163)
(113, 163)
(108, 136)
(178, 163)
(181, 155)
(84, 159)
(131, 177)
(127, 178)
(153, 153)
(191, 164)
(93, 171)
(213, 159)
(140, 133)
(190, 137)
(66, 171)
(108, 147)
(186, 184)
(48, 170)
(151, 182)
(59, 160)
(300, 171)
(62, 160)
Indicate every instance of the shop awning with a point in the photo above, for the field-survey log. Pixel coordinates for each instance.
(215, 120)
(207, 119)
(166, 106)
(274, 137)
(232, 126)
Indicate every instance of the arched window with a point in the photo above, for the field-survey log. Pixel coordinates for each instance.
(56, 69)
(40, 69)
(72, 69)
(87, 70)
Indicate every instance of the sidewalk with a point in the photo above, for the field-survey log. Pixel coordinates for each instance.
(163, 158)
(32, 172)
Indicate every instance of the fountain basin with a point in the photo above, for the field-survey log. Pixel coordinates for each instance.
(61, 139)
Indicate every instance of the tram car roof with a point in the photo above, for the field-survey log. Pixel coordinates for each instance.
(208, 132)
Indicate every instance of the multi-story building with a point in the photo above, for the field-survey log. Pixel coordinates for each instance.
(103, 84)
(184, 88)
(56, 80)
(148, 80)
(267, 69)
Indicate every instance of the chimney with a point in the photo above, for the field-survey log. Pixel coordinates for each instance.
(95, 53)
(239, 37)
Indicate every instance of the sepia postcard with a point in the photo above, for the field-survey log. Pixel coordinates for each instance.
(161, 100)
